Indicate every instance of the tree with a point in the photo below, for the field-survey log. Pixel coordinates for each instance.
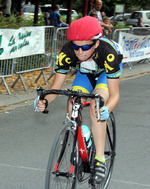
(16, 7)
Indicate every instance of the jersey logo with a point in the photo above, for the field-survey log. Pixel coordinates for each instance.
(60, 59)
(110, 58)
(107, 67)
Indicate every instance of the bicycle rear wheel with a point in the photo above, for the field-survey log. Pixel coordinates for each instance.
(110, 145)
(60, 176)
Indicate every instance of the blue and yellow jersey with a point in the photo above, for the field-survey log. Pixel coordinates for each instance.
(107, 56)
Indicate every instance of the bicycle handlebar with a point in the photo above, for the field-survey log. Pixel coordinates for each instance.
(41, 93)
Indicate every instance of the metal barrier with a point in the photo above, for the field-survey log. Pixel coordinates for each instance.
(116, 32)
(6, 70)
(36, 62)
(135, 31)
(55, 38)
(115, 37)
(142, 31)
(60, 38)
(29, 63)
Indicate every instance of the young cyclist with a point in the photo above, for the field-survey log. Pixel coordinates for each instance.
(99, 62)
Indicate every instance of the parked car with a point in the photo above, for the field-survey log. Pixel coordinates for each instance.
(64, 11)
(145, 15)
(28, 11)
(119, 18)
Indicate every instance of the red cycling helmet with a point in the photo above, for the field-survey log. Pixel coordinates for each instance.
(86, 28)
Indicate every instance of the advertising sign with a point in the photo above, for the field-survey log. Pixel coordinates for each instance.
(21, 42)
(135, 47)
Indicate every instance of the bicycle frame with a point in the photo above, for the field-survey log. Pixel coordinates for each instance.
(76, 121)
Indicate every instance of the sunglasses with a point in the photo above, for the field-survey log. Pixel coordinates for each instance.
(84, 47)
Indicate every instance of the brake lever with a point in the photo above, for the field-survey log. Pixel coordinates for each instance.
(38, 98)
(97, 102)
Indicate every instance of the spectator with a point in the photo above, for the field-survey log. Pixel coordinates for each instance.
(55, 16)
(107, 30)
(93, 14)
(97, 7)
(139, 23)
(103, 14)
(47, 16)
(6, 8)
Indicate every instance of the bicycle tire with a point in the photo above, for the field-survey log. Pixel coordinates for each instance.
(110, 146)
(60, 182)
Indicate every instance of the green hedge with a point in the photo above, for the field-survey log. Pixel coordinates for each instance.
(17, 22)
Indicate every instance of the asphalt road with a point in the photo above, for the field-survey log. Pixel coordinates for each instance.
(26, 138)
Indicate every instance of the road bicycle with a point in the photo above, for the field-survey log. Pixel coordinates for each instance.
(71, 162)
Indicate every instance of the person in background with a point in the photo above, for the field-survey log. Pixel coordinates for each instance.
(56, 18)
(107, 30)
(93, 14)
(97, 7)
(103, 14)
(139, 23)
(6, 8)
(47, 16)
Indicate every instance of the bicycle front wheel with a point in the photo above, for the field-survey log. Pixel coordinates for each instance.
(110, 145)
(60, 173)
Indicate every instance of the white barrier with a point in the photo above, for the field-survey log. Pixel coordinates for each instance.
(135, 43)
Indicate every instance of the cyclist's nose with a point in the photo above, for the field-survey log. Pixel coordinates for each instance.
(80, 50)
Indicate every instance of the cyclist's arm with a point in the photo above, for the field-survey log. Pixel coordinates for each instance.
(113, 88)
(57, 84)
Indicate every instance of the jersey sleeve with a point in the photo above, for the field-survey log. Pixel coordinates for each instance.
(64, 60)
(112, 58)
(113, 65)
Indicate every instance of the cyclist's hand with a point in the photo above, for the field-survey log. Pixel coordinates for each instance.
(41, 105)
(104, 113)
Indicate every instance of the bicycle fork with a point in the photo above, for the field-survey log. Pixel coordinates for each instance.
(72, 157)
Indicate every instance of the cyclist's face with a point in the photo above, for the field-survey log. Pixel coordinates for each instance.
(84, 54)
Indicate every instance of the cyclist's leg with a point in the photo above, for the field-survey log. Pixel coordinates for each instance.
(109, 152)
(99, 129)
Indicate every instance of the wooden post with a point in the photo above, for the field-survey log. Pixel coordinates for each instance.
(36, 12)
(85, 8)
(69, 11)
(53, 4)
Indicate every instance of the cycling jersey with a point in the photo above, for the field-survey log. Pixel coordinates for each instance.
(106, 63)
(107, 56)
